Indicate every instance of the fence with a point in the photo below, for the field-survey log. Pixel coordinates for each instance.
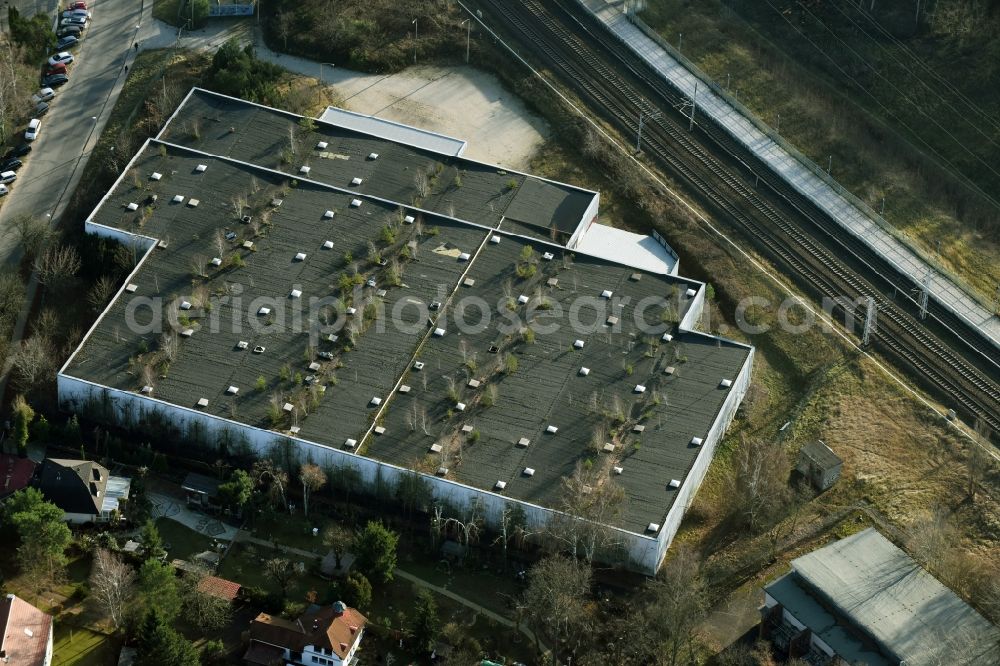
(219, 9)
(816, 170)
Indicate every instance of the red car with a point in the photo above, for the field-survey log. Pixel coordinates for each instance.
(78, 5)
(58, 68)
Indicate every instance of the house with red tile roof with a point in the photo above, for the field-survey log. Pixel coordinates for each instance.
(224, 589)
(15, 473)
(323, 636)
(27, 634)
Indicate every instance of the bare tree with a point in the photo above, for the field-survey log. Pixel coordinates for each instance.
(283, 26)
(590, 501)
(264, 472)
(313, 478)
(281, 571)
(33, 363)
(421, 182)
(555, 601)
(101, 292)
(678, 602)
(32, 232)
(757, 483)
(111, 582)
(56, 265)
(338, 538)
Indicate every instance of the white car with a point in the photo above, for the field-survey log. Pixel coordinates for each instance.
(32, 132)
(7, 177)
(64, 57)
(4, 190)
(43, 95)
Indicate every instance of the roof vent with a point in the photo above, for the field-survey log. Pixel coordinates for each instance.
(355, 203)
(356, 181)
(246, 219)
(259, 349)
(690, 292)
(638, 428)
(674, 483)
(469, 282)
(584, 372)
(460, 406)
(635, 277)
(305, 170)
(295, 293)
(666, 337)
(351, 310)
(726, 383)
(201, 168)
(300, 256)
(288, 407)
(653, 527)
(552, 282)
(332, 337)
(314, 366)
(618, 470)
(442, 471)
(216, 261)
(438, 332)
(500, 485)
(529, 471)
(328, 245)
(277, 202)
(408, 219)
(350, 443)
(473, 383)
(418, 365)
(264, 311)
(132, 206)
(294, 430)
(669, 370)
(578, 344)
(203, 402)
(373, 156)
(328, 215)
(611, 321)
(548, 256)
(248, 245)
(233, 390)
(523, 442)
(178, 198)
(187, 332)
(322, 145)
(156, 175)
(371, 282)
(404, 388)
(493, 349)
(465, 256)
(606, 293)
(495, 239)
(185, 305)
(522, 299)
(29, 633)
(467, 428)
(436, 448)
(379, 430)
(696, 441)
(147, 389)
(375, 401)
(243, 344)
(639, 388)
(608, 448)
(552, 429)
(193, 203)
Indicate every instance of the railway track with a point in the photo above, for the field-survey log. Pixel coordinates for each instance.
(785, 228)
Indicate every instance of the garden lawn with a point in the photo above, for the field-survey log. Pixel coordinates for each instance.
(82, 647)
(183, 542)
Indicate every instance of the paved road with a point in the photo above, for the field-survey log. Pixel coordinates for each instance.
(73, 124)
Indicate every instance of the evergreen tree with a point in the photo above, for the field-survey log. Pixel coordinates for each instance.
(159, 588)
(159, 644)
(23, 416)
(375, 549)
(425, 625)
(151, 540)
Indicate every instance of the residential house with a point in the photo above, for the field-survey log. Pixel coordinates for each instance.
(862, 600)
(27, 634)
(84, 490)
(323, 636)
(15, 473)
(202, 492)
(221, 588)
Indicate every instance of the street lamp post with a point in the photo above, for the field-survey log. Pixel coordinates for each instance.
(468, 38)
(416, 36)
(321, 65)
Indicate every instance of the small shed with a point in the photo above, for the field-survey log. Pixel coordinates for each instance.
(201, 491)
(819, 464)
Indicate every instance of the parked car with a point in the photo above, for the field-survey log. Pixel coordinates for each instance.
(3, 190)
(75, 13)
(55, 80)
(67, 42)
(43, 95)
(61, 57)
(41, 109)
(12, 164)
(58, 68)
(74, 21)
(7, 177)
(31, 133)
(69, 31)
(78, 5)
(19, 151)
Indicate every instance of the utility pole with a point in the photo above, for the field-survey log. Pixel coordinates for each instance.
(468, 38)
(882, 212)
(916, 20)
(870, 315)
(416, 36)
(642, 117)
(694, 106)
(829, 165)
(924, 294)
(680, 41)
(777, 125)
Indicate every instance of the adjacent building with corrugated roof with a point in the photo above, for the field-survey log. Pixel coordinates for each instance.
(862, 600)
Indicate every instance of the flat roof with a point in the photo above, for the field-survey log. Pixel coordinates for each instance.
(907, 611)
(628, 248)
(407, 174)
(326, 388)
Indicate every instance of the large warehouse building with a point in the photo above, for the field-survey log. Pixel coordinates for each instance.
(357, 293)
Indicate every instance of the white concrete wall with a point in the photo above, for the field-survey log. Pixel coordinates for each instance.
(589, 217)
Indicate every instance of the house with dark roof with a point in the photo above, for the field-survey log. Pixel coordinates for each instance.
(27, 634)
(83, 489)
(862, 600)
(323, 635)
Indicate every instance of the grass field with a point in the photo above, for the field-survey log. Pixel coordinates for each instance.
(884, 145)
(183, 541)
(82, 647)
